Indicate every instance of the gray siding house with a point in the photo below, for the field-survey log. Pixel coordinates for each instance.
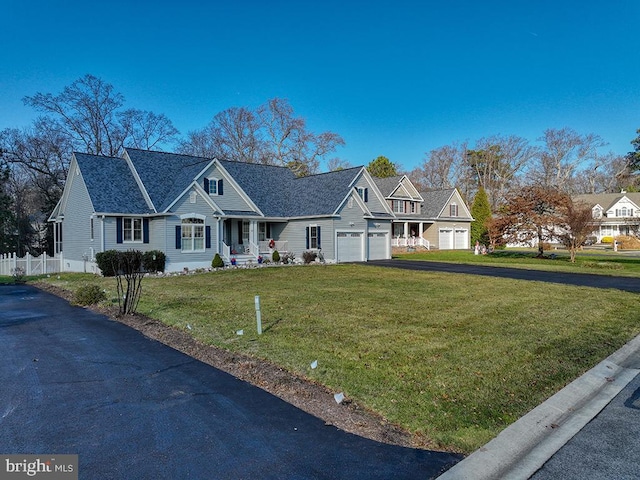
(437, 219)
(191, 208)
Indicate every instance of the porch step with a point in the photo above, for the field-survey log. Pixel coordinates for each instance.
(243, 259)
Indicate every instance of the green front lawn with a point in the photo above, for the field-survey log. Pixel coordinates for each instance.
(452, 358)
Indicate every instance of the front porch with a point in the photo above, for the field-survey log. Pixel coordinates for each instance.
(247, 239)
(409, 234)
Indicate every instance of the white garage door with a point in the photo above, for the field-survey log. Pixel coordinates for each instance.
(350, 247)
(462, 239)
(378, 245)
(445, 239)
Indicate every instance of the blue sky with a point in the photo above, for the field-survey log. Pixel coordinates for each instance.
(395, 78)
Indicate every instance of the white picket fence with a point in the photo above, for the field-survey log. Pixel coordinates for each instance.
(29, 265)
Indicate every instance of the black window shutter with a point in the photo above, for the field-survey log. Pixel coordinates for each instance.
(178, 237)
(366, 194)
(307, 237)
(268, 230)
(118, 229)
(145, 230)
(318, 231)
(240, 232)
(220, 192)
(206, 185)
(207, 240)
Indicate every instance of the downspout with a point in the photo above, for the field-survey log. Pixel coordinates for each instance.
(102, 237)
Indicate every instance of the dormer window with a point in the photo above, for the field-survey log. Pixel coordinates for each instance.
(364, 193)
(624, 212)
(597, 212)
(398, 206)
(213, 186)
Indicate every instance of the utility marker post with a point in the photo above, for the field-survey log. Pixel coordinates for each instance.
(258, 315)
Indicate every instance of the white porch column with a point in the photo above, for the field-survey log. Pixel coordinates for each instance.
(420, 229)
(253, 231)
(406, 229)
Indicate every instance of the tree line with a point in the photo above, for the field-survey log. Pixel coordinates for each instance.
(90, 116)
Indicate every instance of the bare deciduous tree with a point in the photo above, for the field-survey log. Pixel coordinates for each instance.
(85, 111)
(442, 168)
(271, 135)
(563, 151)
(145, 130)
(576, 224)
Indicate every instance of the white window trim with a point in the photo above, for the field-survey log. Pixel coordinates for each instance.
(213, 181)
(400, 204)
(124, 230)
(312, 237)
(183, 226)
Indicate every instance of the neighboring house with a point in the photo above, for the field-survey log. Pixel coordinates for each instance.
(437, 219)
(618, 213)
(191, 208)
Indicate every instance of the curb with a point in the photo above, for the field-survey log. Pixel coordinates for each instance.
(525, 446)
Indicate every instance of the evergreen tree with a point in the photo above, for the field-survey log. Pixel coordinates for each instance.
(8, 228)
(481, 213)
(382, 167)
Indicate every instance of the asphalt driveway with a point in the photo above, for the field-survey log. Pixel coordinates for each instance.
(75, 382)
(628, 284)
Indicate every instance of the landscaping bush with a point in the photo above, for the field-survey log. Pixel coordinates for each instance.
(606, 240)
(288, 257)
(309, 256)
(217, 261)
(89, 295)
(626, 242)
(154, 261)
(107, 261)
(275, 256)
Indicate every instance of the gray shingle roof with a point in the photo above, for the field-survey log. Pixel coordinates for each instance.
(387, 185)
(320, 194)
(165, 175)
(607, 200)
(275, 190)
(434, 202)
(268, 186)
(107, 195)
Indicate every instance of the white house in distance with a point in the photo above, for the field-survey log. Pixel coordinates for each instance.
(619, 213)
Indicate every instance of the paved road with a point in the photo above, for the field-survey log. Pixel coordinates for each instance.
(629, 284)
(606, 448)
(74, 382)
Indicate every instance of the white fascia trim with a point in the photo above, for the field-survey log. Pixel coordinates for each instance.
(193, 215)
(416, 194)
(459, 202)
(628, 200)
(238, 189)
(381, 198)
(373, 189)
(207, 198)
(131, 215)
(308, 217)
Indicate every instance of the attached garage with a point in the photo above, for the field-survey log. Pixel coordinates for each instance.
(445, 239)
(350, 246)
(378, 245)
(461, 239)
(453, 238)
